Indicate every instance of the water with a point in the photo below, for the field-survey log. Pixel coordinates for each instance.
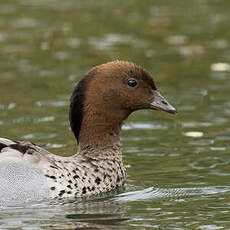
(178, 166)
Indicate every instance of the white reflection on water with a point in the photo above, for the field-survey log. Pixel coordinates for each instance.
(24, 22)
(194, 134)
(52, 103)
(7, 106)
(110, 40)
(39, 136)
(145, 125)
(194, 124)
(54, 146)
(220, 67)
(44, 119)
(177, 39)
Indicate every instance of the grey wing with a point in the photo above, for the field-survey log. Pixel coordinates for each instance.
(21, 178)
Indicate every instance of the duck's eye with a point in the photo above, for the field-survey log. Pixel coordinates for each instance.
(132, 82)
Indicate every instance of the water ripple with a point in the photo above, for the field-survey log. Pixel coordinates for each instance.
(54, 146)
(7, 106)
(193, 124)
(110, 40)
(52, 103)
(137, 125)
(24, 23)
(39, 136)
(162, 193)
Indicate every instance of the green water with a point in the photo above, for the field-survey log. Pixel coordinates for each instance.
(175, 180)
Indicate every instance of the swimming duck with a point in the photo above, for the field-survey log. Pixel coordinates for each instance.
(100, 103)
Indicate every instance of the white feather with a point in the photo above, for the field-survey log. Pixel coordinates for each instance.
(6, 141)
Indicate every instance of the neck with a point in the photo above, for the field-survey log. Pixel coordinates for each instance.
(101, 133)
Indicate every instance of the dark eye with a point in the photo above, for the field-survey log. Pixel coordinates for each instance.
(132, 82)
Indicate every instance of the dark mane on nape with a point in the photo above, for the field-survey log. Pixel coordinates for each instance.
(77, 104)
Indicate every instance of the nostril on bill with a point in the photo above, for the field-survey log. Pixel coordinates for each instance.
(164, 102)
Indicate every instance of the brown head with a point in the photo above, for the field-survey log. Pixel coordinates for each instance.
(106, 96)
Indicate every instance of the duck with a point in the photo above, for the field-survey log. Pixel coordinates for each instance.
(100, 103)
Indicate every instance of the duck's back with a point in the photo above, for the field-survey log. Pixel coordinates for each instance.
(21, 178)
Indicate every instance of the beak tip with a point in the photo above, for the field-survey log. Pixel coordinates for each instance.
(172, 111)
(160, 103)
